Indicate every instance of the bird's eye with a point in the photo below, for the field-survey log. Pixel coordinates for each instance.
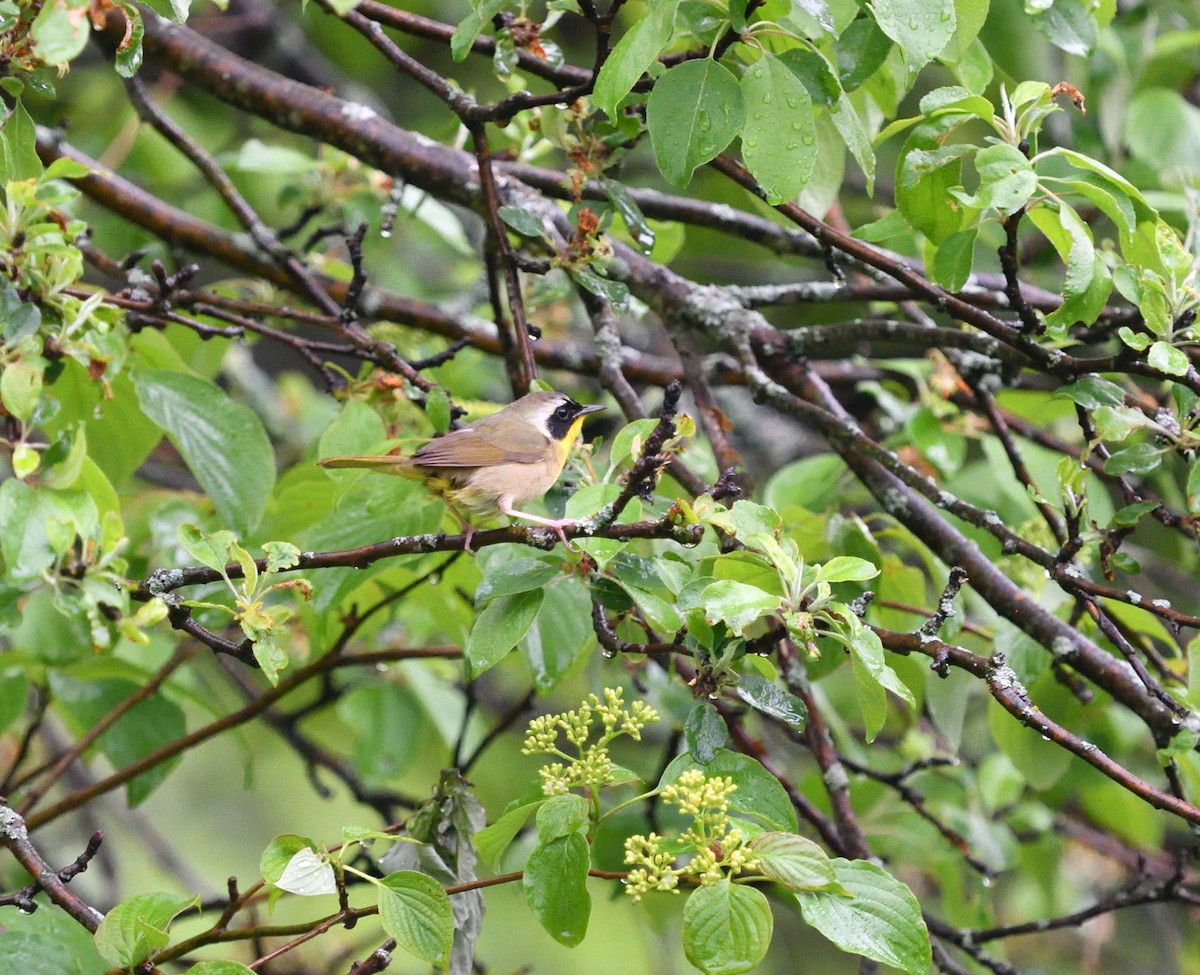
(562, 412)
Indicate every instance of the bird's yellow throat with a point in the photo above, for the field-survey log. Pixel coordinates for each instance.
(564, 445)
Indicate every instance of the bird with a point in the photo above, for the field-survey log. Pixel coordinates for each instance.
(498, 463)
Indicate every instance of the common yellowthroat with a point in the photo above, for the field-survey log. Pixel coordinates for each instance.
(497, 463)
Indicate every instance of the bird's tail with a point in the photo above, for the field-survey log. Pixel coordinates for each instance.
(381, 463)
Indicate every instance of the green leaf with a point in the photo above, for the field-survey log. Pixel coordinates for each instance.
(973, 68)
(726, 928)
(500, 628)
(415, 910)
(437, 408)
(60, 31)
(660, 613)
(387, 721)
(357, 429)
(256, 156)
(47, 942)
(1131, 514)
(81, 699)
(772, 699)
(927, 172)
(616, 293)
(279, 854)
(633, 55)
(269, 651)
(1163, 129)
(1069, 25)
(555, 883)
(25, 460)
(921, 27)
(1006, 180)
(1193, 687)
(881, 921)
(180, 9)
(280, 556)
(779, 139)
(18, 152)
(525, 222)
(860, 51)
(873, 677)
(471, 26)
(214, 550)
(514, 576)
(693, 113)
(561, 816)
(704, 731)
(21, 385)
(1039, 761)
(969, 17)
(850, 127)
(846, 568)
(819, 11)
(27, 516)
(737, 604)
(559, 635)
(1110, 201)
(954, 258)
(1165, 357)
(137, 927)
(1092, 392)
(1141, 458)
(223, 442)
(18, 319)
(944, 448)
(759, 795)
(219, 968)
(493, 840)
(67, 469)
(629, 442)
(794, 861)
(1088, 282)
(14, 692)
(370, 509)
(750, 519)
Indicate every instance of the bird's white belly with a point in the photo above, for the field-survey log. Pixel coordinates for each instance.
(518, 482)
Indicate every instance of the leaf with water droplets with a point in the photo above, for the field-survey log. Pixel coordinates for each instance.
(881, 921)
(779, 140)
(854, 134)
(921, 27)
(694, 112)
(726, 928)
(819, 11)
(633, 55)
(555, 883)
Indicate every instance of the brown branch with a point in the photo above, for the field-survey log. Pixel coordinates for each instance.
(167, 580)
(1012, 696)
(14, 837)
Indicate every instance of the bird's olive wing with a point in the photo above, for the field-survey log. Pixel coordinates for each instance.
(483, 444)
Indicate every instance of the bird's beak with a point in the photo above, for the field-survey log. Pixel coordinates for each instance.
(595, 408)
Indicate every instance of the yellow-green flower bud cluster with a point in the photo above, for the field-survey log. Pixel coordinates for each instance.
(590, 766)
(655, 871)
(717, 849)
